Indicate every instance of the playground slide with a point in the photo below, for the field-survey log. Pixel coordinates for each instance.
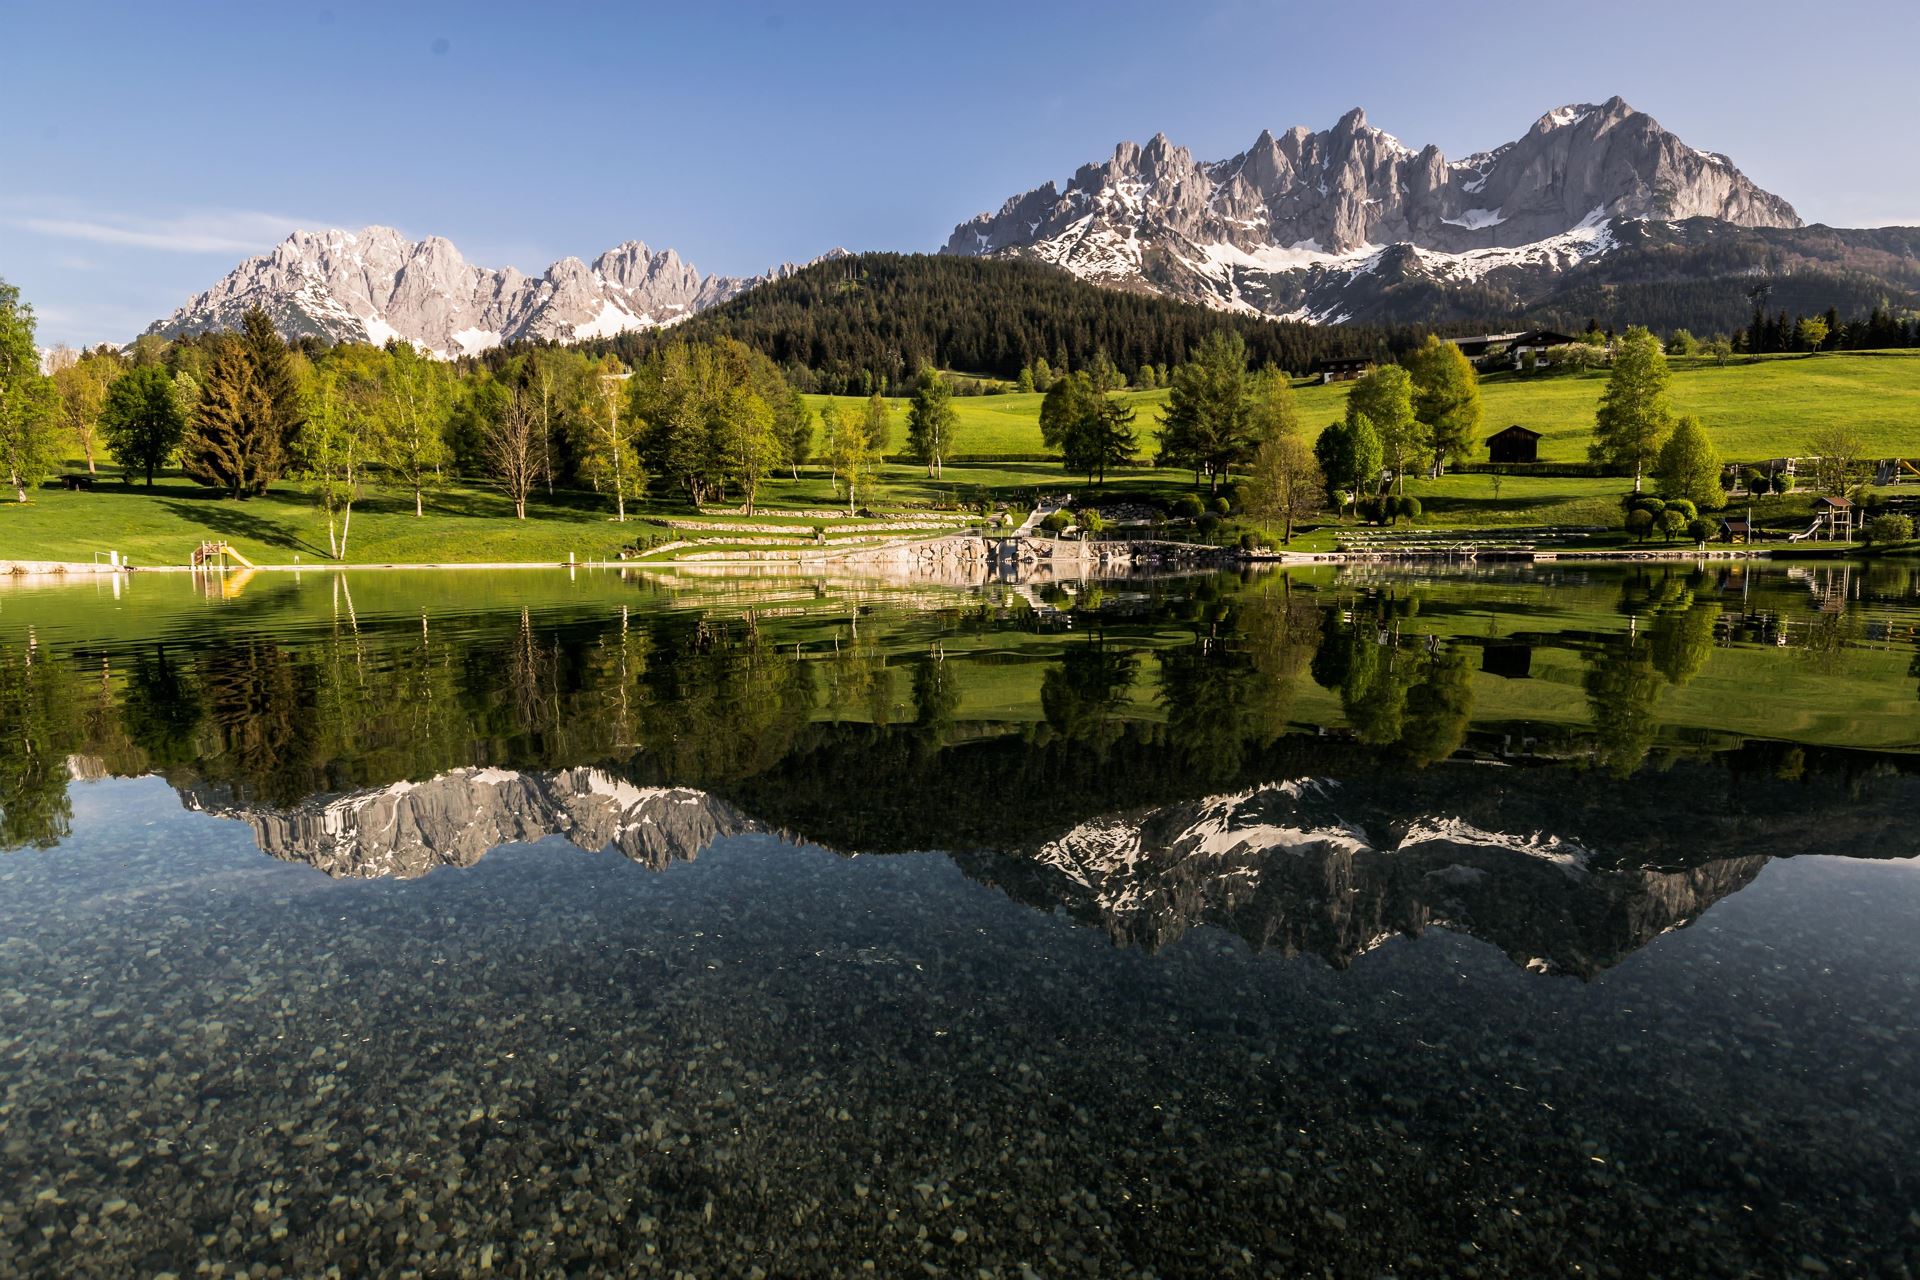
(1810, 531)
(242, 560)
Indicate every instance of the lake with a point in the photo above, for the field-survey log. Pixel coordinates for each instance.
(1511, 921)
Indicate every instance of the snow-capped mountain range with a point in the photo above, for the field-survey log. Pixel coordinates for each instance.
(1290, 225)
(375, 284)
(1344, 224)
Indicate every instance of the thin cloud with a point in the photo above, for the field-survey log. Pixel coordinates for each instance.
(209, 231)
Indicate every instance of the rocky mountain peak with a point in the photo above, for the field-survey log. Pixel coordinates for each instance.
(1300, 216)
(375, 284)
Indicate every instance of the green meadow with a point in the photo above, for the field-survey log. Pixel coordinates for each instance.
(1754, 407)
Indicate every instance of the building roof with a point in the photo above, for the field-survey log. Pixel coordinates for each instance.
(1516, 428)
(1342, 362)
(1542, 338)
(1838, 504)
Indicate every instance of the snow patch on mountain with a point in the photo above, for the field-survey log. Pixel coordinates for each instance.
(1287, 227)
(375, 286)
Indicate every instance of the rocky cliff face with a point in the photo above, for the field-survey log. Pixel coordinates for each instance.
(375, 284)
(1288, 225)
(453, 820)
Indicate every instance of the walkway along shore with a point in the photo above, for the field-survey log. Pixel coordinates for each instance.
(1008, 551)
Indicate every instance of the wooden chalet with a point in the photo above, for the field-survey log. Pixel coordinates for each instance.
(1515, 444)
(1341, 369)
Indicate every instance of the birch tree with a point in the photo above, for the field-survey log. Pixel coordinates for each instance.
(415, 395)
(514, 447)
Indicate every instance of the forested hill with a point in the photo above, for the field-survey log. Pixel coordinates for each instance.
(870, 321)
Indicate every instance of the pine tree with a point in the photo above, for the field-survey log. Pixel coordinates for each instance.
(233, 442)
(274, 369)
(1208, 424)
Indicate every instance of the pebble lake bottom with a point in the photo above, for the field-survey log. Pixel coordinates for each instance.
(777, 1060)
(1353, 921)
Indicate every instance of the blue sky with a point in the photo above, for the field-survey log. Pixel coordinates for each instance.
(150, 147)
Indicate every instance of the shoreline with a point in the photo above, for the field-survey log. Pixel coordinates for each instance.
(84, 570)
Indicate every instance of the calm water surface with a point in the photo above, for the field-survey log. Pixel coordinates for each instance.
(1540, 922)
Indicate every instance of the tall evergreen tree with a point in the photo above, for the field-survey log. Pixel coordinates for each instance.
(274, 368)
(233, 442)
(1207, 424)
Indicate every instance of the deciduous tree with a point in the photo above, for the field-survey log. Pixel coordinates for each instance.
(747, 440)
(1284, 483)
(82, 386)
(793, 427)
(1349, 456)
(1384, 397)
(142, 419)
(29, 446)
(1836, 454)
(1634, 415)
(342, 433)
(513, 447)
(609, 459)
(1688, 467)
(931, 421)
(877, 421)
(1446, 399)
(850, 451)
(415, 396)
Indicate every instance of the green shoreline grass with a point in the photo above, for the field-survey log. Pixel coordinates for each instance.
(1756, 407)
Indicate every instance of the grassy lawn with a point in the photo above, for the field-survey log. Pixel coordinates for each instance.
(1753, 407)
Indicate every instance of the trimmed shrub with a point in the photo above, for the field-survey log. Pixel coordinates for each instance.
(1703, 531)
(1783, 483)
(1056, 522)
(1209, 523)
(1221, 506)
(1188, 506)
(1640, 523)
(1889, 528)
(1408, 508)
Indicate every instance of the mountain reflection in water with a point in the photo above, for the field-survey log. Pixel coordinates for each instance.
(1313, 766)
(879, 1020)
